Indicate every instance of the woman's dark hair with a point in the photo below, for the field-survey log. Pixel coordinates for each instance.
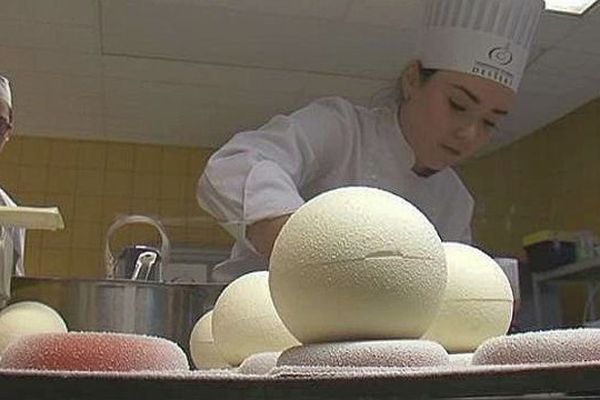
(427, 73)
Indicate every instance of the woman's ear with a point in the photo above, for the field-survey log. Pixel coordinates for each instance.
(411, 79)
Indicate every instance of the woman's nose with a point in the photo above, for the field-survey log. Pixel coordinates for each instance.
(469, 131)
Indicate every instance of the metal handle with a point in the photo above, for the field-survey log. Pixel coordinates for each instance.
(165, 246)
(145, 260)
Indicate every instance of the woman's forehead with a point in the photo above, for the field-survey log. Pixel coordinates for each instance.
(481, 90)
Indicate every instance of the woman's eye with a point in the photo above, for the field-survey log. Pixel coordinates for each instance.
(490, 124)
(456, 106)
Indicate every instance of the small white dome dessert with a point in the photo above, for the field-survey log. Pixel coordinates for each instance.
(28, 318)
(205, 354)
(379, 353)
(461, 359)
(558, 346)
(259, 364)
(244, 321)
(478, 301)
(357, 264)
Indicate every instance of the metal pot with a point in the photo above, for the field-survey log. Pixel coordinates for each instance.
(167, 310)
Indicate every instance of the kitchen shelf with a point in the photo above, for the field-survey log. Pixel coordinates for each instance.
(546, 291)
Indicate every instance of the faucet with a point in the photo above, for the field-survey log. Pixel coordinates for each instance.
(144, 262)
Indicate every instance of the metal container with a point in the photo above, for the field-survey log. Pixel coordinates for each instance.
(167, 310)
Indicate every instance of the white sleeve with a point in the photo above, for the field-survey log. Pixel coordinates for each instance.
(466, 236)
(19, 243)
(457, 205)
(259, 174)
(464, 225)
(18, 238)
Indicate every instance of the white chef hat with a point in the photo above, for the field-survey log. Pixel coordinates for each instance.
(5, 91)
(488, 38)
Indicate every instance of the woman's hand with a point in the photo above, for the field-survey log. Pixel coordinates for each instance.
(262, 234)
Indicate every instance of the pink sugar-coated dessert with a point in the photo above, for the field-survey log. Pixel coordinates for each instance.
(94, 351)
(546, 347)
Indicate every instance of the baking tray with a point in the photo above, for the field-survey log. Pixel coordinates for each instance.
(562, 381)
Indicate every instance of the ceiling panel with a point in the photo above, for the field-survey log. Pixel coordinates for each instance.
(554, 82)
(554, 27)
(196, 71)
(569, 63)
(252, 40)
(584, 38)
(74, 12)
(51, 61)
(404, 13)
(329, 9)
(175, 111)
(71, 38)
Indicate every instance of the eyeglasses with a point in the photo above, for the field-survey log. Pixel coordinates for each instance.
(5, 128)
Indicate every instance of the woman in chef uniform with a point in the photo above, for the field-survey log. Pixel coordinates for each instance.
(471, 57)
(17, 235)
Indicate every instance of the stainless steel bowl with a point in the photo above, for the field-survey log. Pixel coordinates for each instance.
(167, 310)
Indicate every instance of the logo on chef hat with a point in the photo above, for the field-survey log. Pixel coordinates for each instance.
(501, 55)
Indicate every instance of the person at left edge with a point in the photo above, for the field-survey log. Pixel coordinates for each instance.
(6, 128)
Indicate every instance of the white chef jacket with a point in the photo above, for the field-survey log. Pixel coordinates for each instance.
(328, 144)
(18, 237)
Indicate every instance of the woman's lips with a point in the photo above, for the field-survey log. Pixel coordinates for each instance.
(451, 150)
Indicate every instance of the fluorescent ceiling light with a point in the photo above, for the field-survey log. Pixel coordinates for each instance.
(576, 7)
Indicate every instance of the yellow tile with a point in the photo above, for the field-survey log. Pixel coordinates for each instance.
(11, 153)
(114, 206)
(91, 155)
(32, 261)
(120, 156)
(90, 182)
(190, 186)
(197, 161)
(55, 262)
(33, 178)
(222, 239)
(193, 210)
(172, 187)
(87, 264)
(31, 199)
(87, 235)
(171, 208)
(147, 158)
(36, 152)
(61, 180)
(144, 206)
(118, 183)
(88, 208)
(63, 153)
(57, 239)
(175, 160)
(33, 240)
(24, 139)
(10, 177)
(143, 234)
(178, 234)
(146, 185)
(65, 203)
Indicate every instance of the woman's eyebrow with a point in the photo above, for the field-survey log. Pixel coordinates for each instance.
(467, 92)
